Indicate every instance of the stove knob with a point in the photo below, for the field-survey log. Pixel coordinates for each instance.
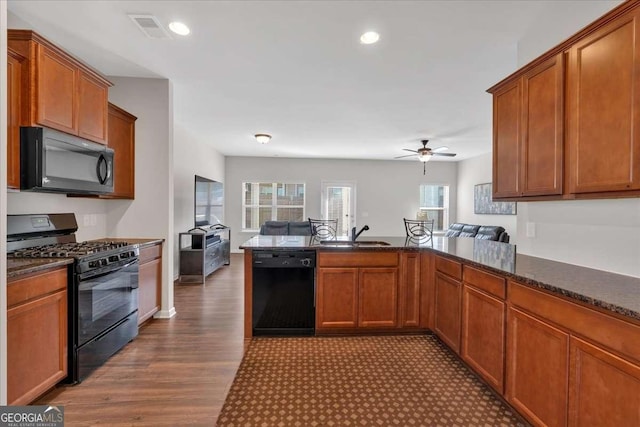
(102, 261)
(93, 264)
(113, 258)
(124, 255)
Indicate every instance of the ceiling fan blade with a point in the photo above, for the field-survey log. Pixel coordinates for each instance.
(439, 149)
(444, 154)
(406, 149)
(408, 155)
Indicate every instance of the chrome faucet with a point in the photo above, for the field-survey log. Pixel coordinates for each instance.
(355, 235)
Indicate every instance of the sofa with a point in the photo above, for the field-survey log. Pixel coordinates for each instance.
(485, 232)
(285, 228)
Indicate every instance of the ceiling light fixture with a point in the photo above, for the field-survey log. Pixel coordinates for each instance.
(424, 157)
(370, 37)
(179, 28)
(262, 138)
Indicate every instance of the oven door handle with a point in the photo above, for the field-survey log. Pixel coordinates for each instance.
(91, 275)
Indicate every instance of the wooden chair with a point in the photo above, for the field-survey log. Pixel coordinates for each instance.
(324, 228)
(419, 227)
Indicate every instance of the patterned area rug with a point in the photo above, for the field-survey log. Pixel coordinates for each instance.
(358, 381)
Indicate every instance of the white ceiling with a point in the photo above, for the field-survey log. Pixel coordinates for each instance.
(296, 70)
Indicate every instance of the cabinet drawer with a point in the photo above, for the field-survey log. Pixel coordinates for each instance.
(616, 334)
(28, 288)
(449, 267)
(358, 259)
(150, 253)
(495, 285)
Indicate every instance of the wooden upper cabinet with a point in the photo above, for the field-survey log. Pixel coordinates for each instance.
(603, 95)
(60, 91)
(122, 139)
(93, 98)
(56, 91)
(542, 128)
(506, 141)
(528, 132)
(14, 76)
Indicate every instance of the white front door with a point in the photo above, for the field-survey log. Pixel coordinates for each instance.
(339, 202)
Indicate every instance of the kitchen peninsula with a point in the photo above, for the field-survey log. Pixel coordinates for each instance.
(504, 314)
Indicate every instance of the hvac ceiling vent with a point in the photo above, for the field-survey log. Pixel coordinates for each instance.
(150, 26)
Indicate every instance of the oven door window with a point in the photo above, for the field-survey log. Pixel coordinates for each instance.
(106, 299)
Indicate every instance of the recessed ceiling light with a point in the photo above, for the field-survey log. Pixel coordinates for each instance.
(179, 28)
(262, 138)
(370, 37)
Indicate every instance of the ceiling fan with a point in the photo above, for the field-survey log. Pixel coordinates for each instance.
(424, 154)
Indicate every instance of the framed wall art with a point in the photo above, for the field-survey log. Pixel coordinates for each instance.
(483, 202)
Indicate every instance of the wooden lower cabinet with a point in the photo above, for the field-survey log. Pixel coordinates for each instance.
(378, 298)
(483, 335)
(337, 298)
(36, 335)
(149, 282)
(409, 290)
(537, 369)
(447, 305)
(604, 389)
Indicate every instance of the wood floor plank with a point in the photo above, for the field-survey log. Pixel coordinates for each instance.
(177, 371)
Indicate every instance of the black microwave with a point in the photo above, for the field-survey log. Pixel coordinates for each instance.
(52, 161)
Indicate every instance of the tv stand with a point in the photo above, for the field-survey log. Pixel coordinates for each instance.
(203, 250)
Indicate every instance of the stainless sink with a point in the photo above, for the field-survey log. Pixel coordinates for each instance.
(356, 243)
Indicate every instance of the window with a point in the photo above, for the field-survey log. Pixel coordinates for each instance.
(434, 201)
(271, 201)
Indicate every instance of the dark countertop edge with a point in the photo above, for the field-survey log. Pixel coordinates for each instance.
(626, 312)
(558, 291)
(39, 264)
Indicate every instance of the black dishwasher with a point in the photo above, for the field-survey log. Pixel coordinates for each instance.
(284, 292)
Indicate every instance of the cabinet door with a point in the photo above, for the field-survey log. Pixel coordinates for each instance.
(149, 289)
(537, 369)
(447, 310)
(56, 96)
(14, 76)
(542, 128)
(36, 347)
(604, 108)
(410, 290)
(378, 297)
(483, 338)
(506, 141)
(604, 390)
(92, 109)
(122, 139)
(337, 298)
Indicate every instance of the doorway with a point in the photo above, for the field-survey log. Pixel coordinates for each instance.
(339, 202)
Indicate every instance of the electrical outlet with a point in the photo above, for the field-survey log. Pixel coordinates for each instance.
(531, 229)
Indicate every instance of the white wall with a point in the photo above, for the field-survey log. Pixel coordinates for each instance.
(151, 213)
(192, 156)
(474, 171)
(386, 191)
(603, 234)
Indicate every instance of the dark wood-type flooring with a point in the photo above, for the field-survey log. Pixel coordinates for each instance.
(177, 371)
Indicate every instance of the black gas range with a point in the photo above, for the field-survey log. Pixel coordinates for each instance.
(103, 286)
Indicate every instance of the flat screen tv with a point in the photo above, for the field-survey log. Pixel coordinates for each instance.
(208, 202)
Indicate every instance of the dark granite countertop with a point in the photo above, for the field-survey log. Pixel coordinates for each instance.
(614, 292)
(140, 242)
(20, 266)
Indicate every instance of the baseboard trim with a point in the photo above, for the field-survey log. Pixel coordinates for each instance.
(165, 314)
